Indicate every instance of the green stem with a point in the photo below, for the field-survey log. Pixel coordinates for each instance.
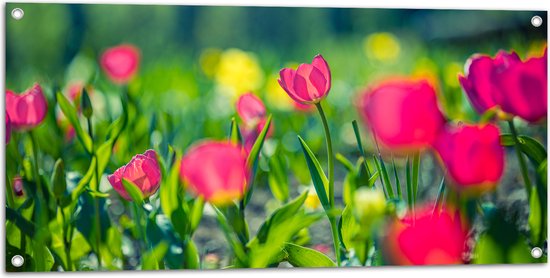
(42, 210)
(66, 240)
(97, 218)
(330, 155)
(521, 159)
(336, 240)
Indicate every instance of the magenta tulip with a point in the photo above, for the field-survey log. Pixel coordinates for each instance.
(426, 239)
(250, 108)
(216, 171)
(517, 87)
(402, 113)
(252, 111)
(472, 155)
(143, 170)
(308, 84)
(121, 63)
(26, 110)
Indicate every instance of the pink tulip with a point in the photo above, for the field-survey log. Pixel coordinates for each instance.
(402, 113)
(8, 128)
(472, 155)
(216, 171)
(26, 110)
(517, 87)
(308, 84)
(121, 62)
(250, 108)
(143, 170)
(426, 240)
(252, 111)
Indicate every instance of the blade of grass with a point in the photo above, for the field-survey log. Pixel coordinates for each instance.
(415, 169)
(440, 194)
(409, 185)
(397, 182)
(384, 179)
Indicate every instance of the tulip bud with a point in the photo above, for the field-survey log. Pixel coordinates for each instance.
(28, 109)
(143, 170)
(59, 182)
(121, 63)
(86, 104)
(369, 206)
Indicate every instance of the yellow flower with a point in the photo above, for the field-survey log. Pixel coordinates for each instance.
(275, 95)
(238, 72)
(382, 47)
(312, 200)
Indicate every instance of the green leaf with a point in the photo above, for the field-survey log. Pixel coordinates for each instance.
(385, 179)
(255, 151)
(410, 201)
(277, 178)
(133, 191)
(360, 146)
(535, 212)
(152, 258)
(528, 145)
(192, 260)
(70, 112)
(27, 227)
(415, 173)
(280, 214)
(196, 212)
(397, 183)
(84, 182)
(234, 133)
(169, 191)
(252, 159)
(237, 248)
(318, 177)
(58, 181)
(299, 256)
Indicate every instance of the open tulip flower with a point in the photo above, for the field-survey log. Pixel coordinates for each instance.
(309, 83)
(121, 63)
(437, 239)
(216, 171)
(143, 170)
(26, 110)
(517, 87)
(402, 113)
(472, 155)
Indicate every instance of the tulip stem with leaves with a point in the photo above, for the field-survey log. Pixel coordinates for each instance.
(521, 159)
(40, 208)
(87, 111)
(330, 158)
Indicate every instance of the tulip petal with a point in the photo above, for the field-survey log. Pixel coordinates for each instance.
(321, 64)
(309, 83)
(250, 108)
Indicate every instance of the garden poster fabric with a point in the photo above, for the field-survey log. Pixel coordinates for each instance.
(144, 137)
